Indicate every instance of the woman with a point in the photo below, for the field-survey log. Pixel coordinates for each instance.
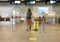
(29, 19)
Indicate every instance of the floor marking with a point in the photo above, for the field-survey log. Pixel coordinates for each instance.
(32, 38)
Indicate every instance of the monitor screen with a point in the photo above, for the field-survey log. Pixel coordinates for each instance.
(43, 9)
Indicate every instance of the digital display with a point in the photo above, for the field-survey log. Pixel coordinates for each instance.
(43, 9)
(53, 2)
(31, 2)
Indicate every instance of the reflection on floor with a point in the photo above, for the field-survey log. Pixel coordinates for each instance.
(51, 33)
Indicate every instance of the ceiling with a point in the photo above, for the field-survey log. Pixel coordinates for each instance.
(22, 0)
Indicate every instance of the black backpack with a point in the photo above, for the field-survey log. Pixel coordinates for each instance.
(29, 15)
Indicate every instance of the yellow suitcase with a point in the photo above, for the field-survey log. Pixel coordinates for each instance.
(35, 25)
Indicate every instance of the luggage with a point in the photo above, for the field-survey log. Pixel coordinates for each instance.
(35, 25)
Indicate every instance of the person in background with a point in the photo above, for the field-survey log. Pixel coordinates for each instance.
(39, 19)
(43, 19)
(29, 19)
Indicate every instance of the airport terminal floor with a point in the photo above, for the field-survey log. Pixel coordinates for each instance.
(47, 32)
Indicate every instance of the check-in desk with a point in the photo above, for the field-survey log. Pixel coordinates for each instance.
(4, 21)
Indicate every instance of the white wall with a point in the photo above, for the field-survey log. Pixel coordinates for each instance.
(6, 10)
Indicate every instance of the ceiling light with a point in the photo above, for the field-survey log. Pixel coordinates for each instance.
(17, 2)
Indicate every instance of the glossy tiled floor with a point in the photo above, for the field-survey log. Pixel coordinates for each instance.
(51, 33)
